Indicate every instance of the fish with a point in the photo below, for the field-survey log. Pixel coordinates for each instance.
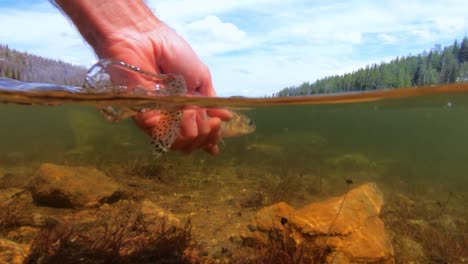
(166, 130)
(239, 125)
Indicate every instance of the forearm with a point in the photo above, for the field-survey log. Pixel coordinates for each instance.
(101, 22)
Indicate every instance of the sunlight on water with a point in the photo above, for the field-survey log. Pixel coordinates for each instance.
(412, 145)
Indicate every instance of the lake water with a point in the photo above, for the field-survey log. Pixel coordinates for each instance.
(411, 142)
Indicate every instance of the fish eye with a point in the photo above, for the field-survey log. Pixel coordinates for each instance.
(251, 123)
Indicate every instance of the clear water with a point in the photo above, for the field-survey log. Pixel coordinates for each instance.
(414, 148)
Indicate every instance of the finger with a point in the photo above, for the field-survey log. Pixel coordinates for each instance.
(188, 131)
(148, 118)
(188, 125)
(212, 150)
(215, 135)
(206, 140)
(222, 114)
(204, 130)
(203, 123)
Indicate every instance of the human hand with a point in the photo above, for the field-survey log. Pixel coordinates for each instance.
(163, 51)
(128, 31)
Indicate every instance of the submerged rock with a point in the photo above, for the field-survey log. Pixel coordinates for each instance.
(145, 210)
(152, 212)
(72, 187)
(345, 229)
(11, 252)
(23, 234)
(6, 195)
(18, 179)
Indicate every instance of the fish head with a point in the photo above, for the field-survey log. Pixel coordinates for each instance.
(239, 125)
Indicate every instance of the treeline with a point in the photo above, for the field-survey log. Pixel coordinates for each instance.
(31, 68)
(438, 66)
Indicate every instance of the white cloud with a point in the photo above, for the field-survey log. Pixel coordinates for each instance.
(210, 36)
(46, 33)
(451, 24)
(187, 10)
(388, 38)
(351, 37)
(424, 34)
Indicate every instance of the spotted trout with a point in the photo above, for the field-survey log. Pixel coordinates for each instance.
(165, 132)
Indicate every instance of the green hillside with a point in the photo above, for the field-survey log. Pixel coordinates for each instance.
(438, 66)
(31, 68)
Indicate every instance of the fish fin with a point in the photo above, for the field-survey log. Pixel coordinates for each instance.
(115, 114)
(165, 132)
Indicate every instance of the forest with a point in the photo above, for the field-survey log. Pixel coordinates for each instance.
(438, 66)
(31, 68)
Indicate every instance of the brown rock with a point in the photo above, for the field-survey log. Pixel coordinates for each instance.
(11, 252)
(15, 179)
(24, 234)
(6, 195)
(150, 212)
(72, 187)
(153, 213)
(347, 228)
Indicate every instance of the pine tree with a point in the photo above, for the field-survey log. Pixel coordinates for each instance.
(439, 65)
(463, 72)
(448, 68)
(463, 52)
(455, 48)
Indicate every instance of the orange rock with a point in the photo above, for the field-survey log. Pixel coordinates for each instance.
(346, 228)
(270, 217)
(12, 253)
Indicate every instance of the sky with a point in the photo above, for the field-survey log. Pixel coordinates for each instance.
(256, 48)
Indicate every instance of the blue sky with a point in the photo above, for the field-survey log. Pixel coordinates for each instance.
(258, 47)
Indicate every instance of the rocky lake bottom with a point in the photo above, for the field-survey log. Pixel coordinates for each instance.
(198, 210)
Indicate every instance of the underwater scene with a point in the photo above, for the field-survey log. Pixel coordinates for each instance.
(371, 177)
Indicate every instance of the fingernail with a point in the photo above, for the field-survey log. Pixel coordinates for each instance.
(203, 115)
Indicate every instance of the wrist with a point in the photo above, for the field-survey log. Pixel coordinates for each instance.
(105, 22)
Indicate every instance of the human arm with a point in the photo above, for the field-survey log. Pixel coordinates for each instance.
(128, 31)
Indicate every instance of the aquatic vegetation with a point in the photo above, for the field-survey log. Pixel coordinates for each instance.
(287, 188)
(325, 248)
(13, 213)
(282, 247)
(121, 235)
(424, 232)
(352, 162)
(255, 199)
(143, 168)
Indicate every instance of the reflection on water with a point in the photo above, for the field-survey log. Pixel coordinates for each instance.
(414, 149)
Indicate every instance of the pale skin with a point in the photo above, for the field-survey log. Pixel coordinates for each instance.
(127, 30)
